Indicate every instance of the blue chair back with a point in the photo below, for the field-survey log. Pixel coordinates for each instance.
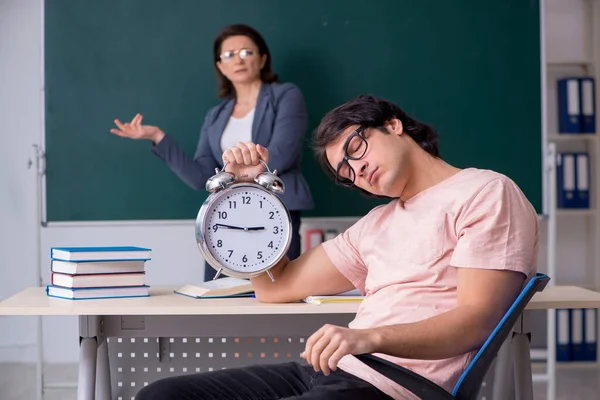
(470, 381)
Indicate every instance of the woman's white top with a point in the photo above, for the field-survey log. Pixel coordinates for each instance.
(237, 130)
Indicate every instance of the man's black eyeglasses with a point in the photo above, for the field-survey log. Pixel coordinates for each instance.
(355, 148)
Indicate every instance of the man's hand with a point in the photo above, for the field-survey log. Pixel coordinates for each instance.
(244, 159)
(325, 348)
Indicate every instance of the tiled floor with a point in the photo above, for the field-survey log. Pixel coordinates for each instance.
(17, 382)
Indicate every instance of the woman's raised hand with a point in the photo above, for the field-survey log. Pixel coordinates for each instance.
(135, 130)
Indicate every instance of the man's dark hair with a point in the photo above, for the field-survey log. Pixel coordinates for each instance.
(369, 112)
(226, 89)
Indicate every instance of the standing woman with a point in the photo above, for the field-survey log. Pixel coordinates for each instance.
(256, 108)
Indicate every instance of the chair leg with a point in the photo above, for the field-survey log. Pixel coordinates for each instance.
(504, 384)
(523, 377)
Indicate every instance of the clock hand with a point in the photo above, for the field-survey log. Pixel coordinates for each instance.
(251, 228)
(229, 227)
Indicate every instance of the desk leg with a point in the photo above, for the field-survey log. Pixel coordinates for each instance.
(92, 348)
(103, 389)
(86, 382)
(503, 375)
(523, 378)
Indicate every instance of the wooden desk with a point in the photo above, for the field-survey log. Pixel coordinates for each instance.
(162, 301)
(165, 314)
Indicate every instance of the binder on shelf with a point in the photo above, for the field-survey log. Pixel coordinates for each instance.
(563, 335)
(588, 105)
(329, 234)
(565, 175)
(314, 237)
(582, 187)
(577, 349)
(590, 328)
(569, 105)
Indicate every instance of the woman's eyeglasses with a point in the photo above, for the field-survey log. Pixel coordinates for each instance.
(355, 148)
(230, 55)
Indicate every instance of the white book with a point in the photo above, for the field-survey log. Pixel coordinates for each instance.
(114, 253)
(97, 267)
(98, 280)
(96, 293)
(224, 287)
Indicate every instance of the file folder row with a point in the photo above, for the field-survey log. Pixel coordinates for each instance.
(576, 334)
(576, 105)
(573, 180)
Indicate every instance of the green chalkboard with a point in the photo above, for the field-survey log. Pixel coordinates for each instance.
(471, 68)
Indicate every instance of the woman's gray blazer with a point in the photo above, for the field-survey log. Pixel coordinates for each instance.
(280, 124)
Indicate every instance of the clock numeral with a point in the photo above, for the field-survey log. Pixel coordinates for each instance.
(260, 202)
(232, 204)
(259, 255)
(219, 243)
(215, 227)
(222, 214)
(246, 199)
(244, 259)
(276, 230)
(271, 215)
(230, 253)
(270, 245)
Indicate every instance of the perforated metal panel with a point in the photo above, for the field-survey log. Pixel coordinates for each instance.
(136, 362)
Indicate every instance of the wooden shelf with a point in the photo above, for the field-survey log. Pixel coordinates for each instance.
(562, 137)
(575, 212)
(571, 63)
(567, 365)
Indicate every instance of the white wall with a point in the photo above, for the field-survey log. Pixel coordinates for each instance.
(176, 259)
(20, 127)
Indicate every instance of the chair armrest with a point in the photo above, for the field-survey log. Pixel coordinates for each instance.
(409, 380)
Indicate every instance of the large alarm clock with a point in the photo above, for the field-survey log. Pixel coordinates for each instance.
(243, 229)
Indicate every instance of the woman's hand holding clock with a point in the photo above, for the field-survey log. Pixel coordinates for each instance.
(244, 160)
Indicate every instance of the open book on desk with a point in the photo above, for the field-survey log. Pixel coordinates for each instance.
(224, 287)
(352, 296)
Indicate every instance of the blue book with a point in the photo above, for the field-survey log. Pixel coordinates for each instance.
(97, 293)
(115, 253)
(569, 105)
(588, 105)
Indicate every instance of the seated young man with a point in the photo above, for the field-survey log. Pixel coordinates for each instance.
(439, 265)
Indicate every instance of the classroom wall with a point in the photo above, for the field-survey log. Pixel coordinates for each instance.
(20, 127)
(176, 259)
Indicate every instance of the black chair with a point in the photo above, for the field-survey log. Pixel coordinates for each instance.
(470, 381)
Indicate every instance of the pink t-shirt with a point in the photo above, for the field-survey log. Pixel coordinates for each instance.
(404, 258)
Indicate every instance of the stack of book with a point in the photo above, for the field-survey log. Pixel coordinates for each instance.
(98, 272)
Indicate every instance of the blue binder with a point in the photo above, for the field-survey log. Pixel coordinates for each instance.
(569, 105)
(588, 104)
(577, 347)
(590, 329)
(565, 176)
(582, 186)
(563, 335)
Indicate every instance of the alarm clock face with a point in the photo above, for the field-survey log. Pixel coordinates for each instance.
(244, 229)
